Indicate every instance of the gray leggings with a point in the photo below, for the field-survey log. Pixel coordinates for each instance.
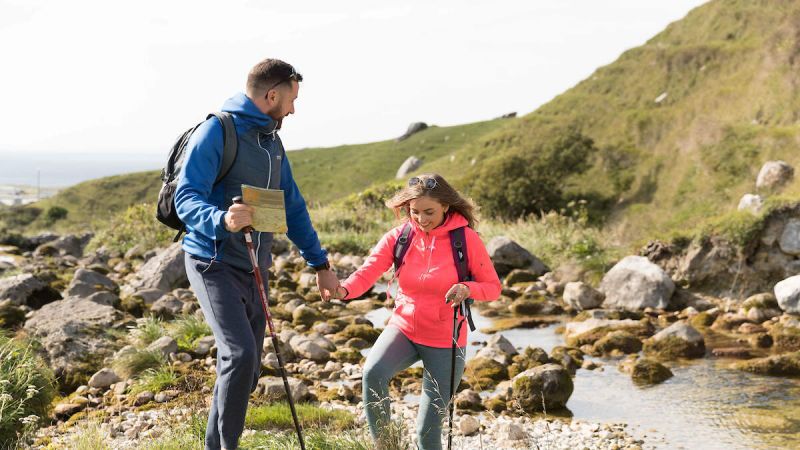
(393, 352)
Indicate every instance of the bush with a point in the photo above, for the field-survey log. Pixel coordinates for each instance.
(533, 181)
(137, 225)
(27, 387)
(16, 217)
(55, 213)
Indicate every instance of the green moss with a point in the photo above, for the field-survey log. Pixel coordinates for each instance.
(363, 331)
(785, 339)
(779, 365)
(483, 373)
(702, 320)
(672, 347)
(348, 355)
(648, 371)
(621, 341)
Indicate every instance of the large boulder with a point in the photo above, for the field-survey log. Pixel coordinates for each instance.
(411, 164)
(579, 296)
(589, 331)
(499, 349)
(507, 255)
(27, 289)
(165, 272)
(414, 128)
(787, 292)
(635, 283)
(272, 389)
(649, 371)
(72, 334)
(548, 386)
(679, 340)
(69, 245)
(774, 175)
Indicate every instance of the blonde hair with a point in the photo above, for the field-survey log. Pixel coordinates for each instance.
(442, 193)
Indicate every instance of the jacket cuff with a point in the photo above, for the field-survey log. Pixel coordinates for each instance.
(219, 225)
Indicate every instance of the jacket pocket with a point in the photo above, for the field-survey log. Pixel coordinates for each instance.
(404, 316)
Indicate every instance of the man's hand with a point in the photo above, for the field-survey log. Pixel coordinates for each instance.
(238, 216)
(457, 294)
(327, 284)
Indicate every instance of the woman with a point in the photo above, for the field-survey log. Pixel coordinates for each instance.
(421, 326)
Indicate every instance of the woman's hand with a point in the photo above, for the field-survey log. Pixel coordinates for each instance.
(340, 292)
(457, 294)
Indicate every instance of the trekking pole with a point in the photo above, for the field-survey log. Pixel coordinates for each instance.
(248, 237)
(456, 331)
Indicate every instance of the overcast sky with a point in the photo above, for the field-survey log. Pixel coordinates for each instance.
(112, 76)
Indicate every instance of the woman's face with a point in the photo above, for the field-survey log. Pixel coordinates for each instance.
(427, 212)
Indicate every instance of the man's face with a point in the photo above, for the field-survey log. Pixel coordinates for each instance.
(286, 94)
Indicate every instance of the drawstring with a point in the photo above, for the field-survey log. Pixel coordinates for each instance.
(213, 258)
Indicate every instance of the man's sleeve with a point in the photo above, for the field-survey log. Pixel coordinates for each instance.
(201, 165)
(301, 232)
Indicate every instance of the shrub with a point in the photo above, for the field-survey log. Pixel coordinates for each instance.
(137, 225)
(55, 213)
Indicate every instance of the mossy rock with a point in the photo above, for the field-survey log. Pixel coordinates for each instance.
(785, 339)
(306, 315)
(764, 301)
(133, 305)
(495, 404)
(482, 373)
(545, 387)
(363, 331)
(517, 276)
(779, 365)
(649, 371)
(672, 347)
(10, 315)
(348, 355)
(702, 320)
(528, 306)
(619, 340)
(571, 358)
(530, 357)
(338, 324)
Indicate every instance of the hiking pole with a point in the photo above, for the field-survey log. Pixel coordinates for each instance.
(248, 238)
(456, 331)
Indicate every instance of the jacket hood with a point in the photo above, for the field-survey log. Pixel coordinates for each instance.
(246, 111)
(452, 221)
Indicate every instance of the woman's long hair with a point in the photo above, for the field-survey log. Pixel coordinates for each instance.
(442, 192)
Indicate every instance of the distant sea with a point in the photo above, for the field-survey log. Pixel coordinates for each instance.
(65, 169)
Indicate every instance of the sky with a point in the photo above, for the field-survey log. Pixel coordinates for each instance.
(108, 76)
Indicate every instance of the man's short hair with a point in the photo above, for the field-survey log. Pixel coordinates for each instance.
(269, 74)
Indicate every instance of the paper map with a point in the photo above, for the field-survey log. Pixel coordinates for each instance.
(270, 213)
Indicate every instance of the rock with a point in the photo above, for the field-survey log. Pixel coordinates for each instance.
(635, 283)
(468, 425)
(548, 386)
(87, 282)
(363, 331)
(530, 357)
(581, 296)
(590, 331)
(648, 371)
(514, 432)
(71, 334)
(104, 378)
(731, 352)
(779, 365)
(144, 398)
(27, 289)
(785, 337)
(482, 373)
(149, 296)
(414, 128)
(789, 241)
(760, 307)
(533, 305)
(272, 389)
(774, 175)
(508, 255)
(679, 340)
(468, 399)
(411, 164)
(751, 203)
(306, 315)
(70, 245)
(621, 341)
(165, 345)
(165, 271)
(787, 292)
(202, 346)
(167, 307)
(10, 315)
(520, 276)
(66, 410)
(362, 306)
(309, 349)
(499, 349)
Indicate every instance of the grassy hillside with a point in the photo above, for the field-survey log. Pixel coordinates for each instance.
(692, 115)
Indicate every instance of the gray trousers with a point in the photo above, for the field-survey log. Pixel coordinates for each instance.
(393, 352)
(230, 302)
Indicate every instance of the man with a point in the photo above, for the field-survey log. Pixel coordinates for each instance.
(217, 262)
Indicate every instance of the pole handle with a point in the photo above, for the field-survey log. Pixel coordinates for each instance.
(240, 201)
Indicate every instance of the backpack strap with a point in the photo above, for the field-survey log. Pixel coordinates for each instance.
(458, 242)
(401, 245)
(230, 143)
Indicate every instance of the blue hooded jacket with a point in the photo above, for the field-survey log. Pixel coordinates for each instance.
(260, 161)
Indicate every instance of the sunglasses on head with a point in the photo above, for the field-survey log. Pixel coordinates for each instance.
(292, 76)
(427, 183)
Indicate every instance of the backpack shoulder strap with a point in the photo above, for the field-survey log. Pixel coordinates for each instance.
(402, 244)
(230, 143)
(458, 242)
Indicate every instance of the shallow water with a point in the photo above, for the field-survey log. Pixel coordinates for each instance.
(704, 406)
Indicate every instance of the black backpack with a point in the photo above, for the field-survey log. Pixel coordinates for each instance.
(458, 243)
(166, 212)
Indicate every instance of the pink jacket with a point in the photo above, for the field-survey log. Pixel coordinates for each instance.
(427, 273)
